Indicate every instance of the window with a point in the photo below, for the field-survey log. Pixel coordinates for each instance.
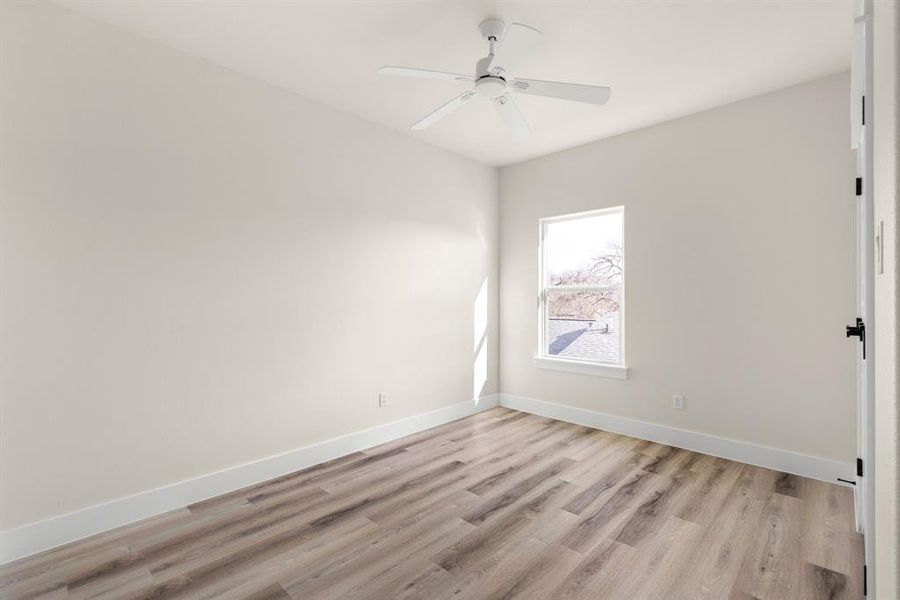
(582, 293)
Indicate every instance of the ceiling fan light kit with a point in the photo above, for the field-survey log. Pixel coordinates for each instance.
(492, 81)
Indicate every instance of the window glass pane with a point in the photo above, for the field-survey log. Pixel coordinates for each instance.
(585, 251)
(583, 325)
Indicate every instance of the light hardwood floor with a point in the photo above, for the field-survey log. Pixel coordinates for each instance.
(498, 505)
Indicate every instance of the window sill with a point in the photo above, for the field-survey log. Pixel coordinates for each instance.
(582, 368)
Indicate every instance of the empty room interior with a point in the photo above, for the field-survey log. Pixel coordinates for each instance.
(449, 299)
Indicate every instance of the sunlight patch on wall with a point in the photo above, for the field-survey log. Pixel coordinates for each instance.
(479, 337)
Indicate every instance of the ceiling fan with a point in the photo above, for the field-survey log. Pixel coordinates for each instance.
(506, 46)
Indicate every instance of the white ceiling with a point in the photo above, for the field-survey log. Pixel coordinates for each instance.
(662, 59)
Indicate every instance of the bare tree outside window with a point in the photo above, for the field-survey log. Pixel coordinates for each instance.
(605, 268)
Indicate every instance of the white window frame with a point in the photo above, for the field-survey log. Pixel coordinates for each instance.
(542, 358)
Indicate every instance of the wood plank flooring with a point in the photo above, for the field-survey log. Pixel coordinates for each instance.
(498, 505)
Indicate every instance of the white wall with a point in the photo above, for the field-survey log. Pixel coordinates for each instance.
(200, 270)
(738, 238)
(886, 141)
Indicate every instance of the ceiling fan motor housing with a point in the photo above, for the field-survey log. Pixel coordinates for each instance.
(490, 86)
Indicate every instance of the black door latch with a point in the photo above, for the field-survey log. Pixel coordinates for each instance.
(858, 331)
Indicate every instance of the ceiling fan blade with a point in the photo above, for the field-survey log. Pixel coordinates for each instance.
(443, 110)
(518, 42)
(592, 94)
(512, 117)
(423, 73)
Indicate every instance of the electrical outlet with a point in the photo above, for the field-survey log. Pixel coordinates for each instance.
(382, 400)
(678, 402)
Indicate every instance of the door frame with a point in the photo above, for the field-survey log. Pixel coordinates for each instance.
(861, 85)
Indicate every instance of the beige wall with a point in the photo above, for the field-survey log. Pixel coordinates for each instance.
(200, 270)
(886, 143)
(738, 239)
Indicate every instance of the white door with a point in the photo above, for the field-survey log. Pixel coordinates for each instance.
(861, 127)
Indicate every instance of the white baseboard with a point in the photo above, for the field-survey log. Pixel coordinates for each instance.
(762, 456)
(43, 535)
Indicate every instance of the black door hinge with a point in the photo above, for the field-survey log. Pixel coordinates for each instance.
(859, 467)
(859, 186)
(865, 580)
(858, 330)
(863, 110)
